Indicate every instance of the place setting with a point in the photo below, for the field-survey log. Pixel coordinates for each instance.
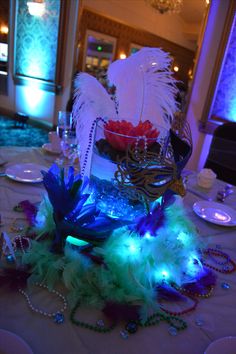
(25, 172)
(64, 124)
(63, 145)
(11, 343)
(63, 142)
(213, 197)
(216, 213)
(225, 345)
(54, 145)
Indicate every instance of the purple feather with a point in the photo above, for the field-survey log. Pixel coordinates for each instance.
(65, 193)
(29, 210)
(151, 222)
(119, 312)
(168, 293)
(205, 279)
(14, 278)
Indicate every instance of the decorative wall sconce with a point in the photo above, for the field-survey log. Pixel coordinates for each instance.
(36, 7)
(35, 67)
(123, 56)
(4, 29)
(176, 68)
(190, 74)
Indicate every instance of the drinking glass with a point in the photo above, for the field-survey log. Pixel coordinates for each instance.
(64, 122)
(70, 148)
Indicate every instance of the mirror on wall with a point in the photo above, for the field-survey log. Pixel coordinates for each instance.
(134, 48)
(4, 29)
(132, 24)
(99, 53)
(220, 104)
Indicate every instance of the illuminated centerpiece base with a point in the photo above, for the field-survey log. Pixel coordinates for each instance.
(110, 154)
(131, 266)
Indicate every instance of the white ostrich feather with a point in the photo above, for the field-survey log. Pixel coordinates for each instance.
(145, 88)
(91, 100)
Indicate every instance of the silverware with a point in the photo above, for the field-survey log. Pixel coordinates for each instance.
(224, 193)
(198, 194)
(3, 162)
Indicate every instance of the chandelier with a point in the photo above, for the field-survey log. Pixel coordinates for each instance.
(166, 6)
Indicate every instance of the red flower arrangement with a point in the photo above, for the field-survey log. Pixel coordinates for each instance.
(121, 134)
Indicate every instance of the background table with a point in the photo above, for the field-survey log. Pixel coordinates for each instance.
(217, 313)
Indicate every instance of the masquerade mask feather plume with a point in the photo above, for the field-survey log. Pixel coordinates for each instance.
(145, 90)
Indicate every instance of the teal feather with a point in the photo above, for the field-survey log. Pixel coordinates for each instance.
(130, 274)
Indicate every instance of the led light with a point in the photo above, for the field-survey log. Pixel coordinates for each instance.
(147, 235)
(161, 275)
(165, 274)
(133, 246)
(182, 236)
(99, 48)
(76, 241)
(133, 249)
(40, 220)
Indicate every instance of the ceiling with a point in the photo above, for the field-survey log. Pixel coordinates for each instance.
(183, 28)
(192, 11)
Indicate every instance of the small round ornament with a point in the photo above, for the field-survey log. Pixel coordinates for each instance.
(131, 327)
(59, 318)
(199, 322)
(225, 286)
(172, 331)
(10, 258)
(124, 334)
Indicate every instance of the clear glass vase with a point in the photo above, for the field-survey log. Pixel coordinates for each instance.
(119, 162)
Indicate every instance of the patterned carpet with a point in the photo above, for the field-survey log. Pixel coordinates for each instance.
(11, 135)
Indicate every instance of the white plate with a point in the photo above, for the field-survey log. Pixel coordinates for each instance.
(226, 345)
(25, 172)
(48, 148)
(10, 343)
(215, 213)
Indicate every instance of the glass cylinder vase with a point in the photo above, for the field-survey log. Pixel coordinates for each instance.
(122, 166)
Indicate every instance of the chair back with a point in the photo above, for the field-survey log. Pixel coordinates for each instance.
(222, 153)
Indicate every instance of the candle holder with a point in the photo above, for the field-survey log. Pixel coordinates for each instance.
(130, 167)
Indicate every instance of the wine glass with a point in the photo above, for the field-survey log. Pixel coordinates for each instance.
(64, 122)
(70, 149)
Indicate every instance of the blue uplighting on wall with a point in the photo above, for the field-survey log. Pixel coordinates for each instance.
(225, 100)
(36, 41)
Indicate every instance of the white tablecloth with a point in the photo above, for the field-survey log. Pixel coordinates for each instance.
(217, 313)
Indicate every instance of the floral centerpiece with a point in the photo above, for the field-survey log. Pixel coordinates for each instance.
(129, 160)
(121, 240)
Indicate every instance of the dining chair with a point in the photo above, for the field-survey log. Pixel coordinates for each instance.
(222, 153)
